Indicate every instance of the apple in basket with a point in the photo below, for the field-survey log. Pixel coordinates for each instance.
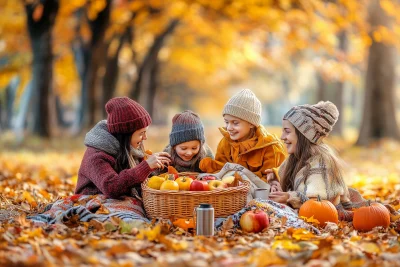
(184, 183)
(216, 184)
(254, 221)
(198, 185)
(155, 182)
(169, 184)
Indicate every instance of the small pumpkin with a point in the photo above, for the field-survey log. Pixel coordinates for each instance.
(322, 210)
(373, 215)
(185, 224)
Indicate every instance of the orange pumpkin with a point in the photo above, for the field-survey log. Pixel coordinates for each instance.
(366, 218)
(185, 224)
(322, 210)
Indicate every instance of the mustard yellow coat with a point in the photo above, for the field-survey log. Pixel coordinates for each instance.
(262, 151)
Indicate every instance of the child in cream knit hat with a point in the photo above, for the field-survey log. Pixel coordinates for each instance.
(245, 141)
(312, 169)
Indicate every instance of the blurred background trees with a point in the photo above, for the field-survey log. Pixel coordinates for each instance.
(61, 60)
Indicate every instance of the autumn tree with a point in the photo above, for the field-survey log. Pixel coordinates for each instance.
(40, 20)
(379, 116)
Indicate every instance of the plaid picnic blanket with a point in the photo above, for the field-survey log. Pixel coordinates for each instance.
(272, 208)
(88, 207)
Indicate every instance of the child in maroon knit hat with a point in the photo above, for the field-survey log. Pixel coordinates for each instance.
(114, 161)
(187, 142)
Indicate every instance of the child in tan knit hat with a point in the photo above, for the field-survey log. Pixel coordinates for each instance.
(312, 168)
(245, 141)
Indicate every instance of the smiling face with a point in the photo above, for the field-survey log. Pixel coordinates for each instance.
(138, 137)
(186, 151)
(238, 129)
(289, 136)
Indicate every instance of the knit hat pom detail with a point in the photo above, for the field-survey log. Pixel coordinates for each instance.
(328, 107)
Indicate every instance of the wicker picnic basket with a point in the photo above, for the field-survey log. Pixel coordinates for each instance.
(180, 204)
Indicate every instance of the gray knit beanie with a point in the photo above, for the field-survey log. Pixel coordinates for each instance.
(314, 121)
(186, 126)
(244, 105)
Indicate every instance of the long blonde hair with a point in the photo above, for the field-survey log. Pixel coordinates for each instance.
(305, 150)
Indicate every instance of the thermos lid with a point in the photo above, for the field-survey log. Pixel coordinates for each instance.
(205, 205)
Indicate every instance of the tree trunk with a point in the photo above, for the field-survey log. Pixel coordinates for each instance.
(379, 117)
(40, 33)
(334, 91)
(10, 98)
(339, 89)
(142, 91)
(19, 121)
(112, 71)
(93, 57)
(7, 103)
(60, 114)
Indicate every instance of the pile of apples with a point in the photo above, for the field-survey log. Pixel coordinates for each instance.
(189, 183)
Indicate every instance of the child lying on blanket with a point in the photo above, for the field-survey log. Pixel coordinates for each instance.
(245, 141)
(312, 169)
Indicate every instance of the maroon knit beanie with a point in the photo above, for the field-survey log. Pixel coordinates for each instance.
(126, 115)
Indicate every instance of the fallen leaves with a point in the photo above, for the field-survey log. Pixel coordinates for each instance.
(29, 182)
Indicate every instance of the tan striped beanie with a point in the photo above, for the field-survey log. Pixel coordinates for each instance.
(244, 105)
(314, 121)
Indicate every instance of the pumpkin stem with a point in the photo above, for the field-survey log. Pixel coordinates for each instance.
(318, 198)
(369, 202)
(171, 177)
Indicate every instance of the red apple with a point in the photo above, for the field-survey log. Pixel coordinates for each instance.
(197, 185)
(254, 221)
(214, 184)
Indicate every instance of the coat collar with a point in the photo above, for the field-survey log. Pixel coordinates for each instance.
(262, 136)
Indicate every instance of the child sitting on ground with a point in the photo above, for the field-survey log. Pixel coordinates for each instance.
(245, 141)
(187, 145)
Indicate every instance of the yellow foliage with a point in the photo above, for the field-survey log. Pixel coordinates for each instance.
(95, 7)
(150, 234)
(286, 244)
(265, 257)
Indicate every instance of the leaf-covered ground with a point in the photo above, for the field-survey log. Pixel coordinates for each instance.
(29, 180)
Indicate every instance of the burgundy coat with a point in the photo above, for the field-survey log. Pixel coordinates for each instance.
(97, 175)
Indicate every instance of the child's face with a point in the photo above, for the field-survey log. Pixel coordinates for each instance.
(186, 151)
(289, 136)
(138, 137)
(238, 129)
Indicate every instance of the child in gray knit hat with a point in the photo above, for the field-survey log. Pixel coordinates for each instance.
(312, 168)
(245, 141)
(187, 142)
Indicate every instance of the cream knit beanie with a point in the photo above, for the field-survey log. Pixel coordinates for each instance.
(314, 121)
(244, 105)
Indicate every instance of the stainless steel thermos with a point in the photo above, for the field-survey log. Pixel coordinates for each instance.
(204, 214)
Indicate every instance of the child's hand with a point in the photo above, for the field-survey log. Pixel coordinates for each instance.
(280, 197)
(159, 160)
(270, 175)
(276, 186)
